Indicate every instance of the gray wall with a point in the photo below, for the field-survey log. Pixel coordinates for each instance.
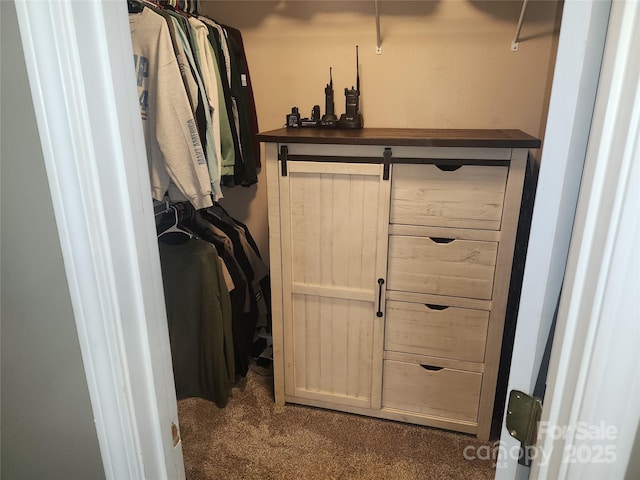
(47, 422)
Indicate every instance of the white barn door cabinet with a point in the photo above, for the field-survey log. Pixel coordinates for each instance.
(391, 254)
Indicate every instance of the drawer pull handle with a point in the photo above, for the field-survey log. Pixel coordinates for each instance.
(442, 240)
(431, 368)
(431, 306)
(380, 283)
(447, 168)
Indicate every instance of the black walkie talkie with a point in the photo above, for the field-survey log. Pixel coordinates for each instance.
(352, 117)
(329, 119)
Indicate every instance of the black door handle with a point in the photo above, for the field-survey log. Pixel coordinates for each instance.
(380, 283)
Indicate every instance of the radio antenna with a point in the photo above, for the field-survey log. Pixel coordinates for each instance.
(357, 72)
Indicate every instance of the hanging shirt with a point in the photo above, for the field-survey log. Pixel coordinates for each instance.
(210, 148)
(199, 320)
(230, 60)
(230, 140)
(174, 150)
(218, 41)
(227, 146)
(207, 69)
(247, 90)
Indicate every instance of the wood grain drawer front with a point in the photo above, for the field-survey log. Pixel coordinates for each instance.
(471, 196)
(443, 393)
(437, 331)
(459, 268)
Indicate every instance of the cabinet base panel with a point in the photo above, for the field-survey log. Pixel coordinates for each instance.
(393, 414)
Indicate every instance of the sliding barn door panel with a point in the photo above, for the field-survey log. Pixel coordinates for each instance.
(331, 264)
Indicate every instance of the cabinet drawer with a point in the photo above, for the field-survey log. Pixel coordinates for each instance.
(442, 392)
(438, 331)
(459, 268)
(471, 196)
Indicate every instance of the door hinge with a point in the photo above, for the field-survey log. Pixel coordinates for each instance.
(523, 414)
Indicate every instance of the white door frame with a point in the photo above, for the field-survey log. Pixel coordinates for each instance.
(580, 48)
(80, 66)
(593, 410)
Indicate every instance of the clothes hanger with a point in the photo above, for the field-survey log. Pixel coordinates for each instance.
(174, 228)
(211, 212)
(160, 208)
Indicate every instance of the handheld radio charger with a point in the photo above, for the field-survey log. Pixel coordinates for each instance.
(352, 118)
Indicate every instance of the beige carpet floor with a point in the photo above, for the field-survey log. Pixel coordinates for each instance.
(254, 439)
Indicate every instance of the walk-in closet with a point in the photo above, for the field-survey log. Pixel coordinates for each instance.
(287, 237)
(204, 99)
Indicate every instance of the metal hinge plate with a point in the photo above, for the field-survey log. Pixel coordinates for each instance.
(523, 415)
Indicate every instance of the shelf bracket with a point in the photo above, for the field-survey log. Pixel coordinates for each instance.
(515, 44)
(378, 37)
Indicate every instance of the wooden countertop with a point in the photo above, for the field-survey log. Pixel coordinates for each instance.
(413, 137)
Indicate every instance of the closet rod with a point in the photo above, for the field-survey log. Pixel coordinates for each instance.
(515, 44)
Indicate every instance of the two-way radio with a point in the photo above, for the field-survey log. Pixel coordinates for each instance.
(352, 118)
(329, 118)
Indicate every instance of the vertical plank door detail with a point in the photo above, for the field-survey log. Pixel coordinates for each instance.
(333, 258)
